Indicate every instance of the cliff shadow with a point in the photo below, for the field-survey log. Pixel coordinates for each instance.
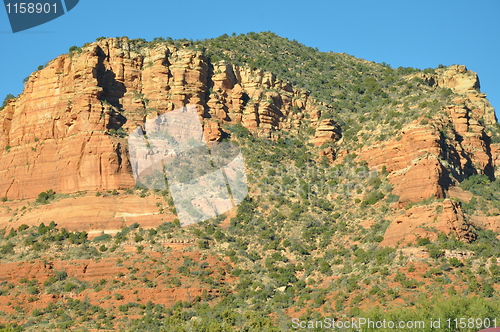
(113, 90)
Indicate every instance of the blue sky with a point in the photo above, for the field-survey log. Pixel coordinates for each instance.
(417, 34)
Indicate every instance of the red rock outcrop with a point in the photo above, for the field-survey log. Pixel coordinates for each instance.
(424, 162)
(429, 159)
(108, 269)
(492, 222)
(466, 83)
(327, 131)
(92, 214)
(417, 222)
(421, 180)
(412, 162)
(63, 131)
(54, 136)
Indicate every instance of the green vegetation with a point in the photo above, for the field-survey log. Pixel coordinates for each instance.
(360, 95)
(361, 274)
(45, 197)
(75, 49)
(438, 307)
(118, 132)
(5, 101)
(305, 242)
(486, 199)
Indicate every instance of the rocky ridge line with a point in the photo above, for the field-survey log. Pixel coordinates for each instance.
(60, 133)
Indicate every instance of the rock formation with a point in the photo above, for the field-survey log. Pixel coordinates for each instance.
(430, 157)
(66, 130)
(63, 131)
(421, 221)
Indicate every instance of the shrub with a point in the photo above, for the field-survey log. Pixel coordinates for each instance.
(34, 313)
(455, 262)
(7, 248)
(78, 237)
(203, 244)
(446, 92)
(50, 280)
(373, 198)
(32, 290)
(422, 241)
(495, 270)
(6, 100)
(60, 275)
(75, 49)
(488, 290)
(22, 227)
(175, 282)
(45, 196)
(42, 229)
(479, 185)
(68, 287)
(102, 238)
(391, 198)
(435, 252)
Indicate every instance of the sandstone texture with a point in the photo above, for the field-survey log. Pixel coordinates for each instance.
(465, 82)
(95, 215)
(421, 221)
(326, 132)
(63, 131)
(427, 160)
(66, 132)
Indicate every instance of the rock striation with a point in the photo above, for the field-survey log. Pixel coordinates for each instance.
(429, 157)
(421, 221)
(64, 132)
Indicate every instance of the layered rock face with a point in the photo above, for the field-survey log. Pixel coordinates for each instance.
(429, 158)
(465, 82)
(60, 133)
(416, 222)
(92, 214)
(54, 134)
(66, 131)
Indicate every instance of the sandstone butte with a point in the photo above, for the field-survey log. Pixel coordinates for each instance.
(58, 134)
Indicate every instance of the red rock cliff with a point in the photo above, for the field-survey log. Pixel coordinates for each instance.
(431, 156)
(60, 133)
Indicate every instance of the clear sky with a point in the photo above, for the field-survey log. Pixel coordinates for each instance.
(419, 33)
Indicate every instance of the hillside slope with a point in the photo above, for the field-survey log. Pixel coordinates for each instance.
(368, 186)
